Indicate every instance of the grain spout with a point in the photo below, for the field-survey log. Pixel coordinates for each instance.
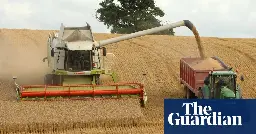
(195, 32)
(199, 44)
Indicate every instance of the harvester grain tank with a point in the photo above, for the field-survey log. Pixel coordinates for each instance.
(77, 62)
(209, 78)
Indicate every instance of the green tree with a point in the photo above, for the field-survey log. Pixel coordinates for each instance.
(128, 16)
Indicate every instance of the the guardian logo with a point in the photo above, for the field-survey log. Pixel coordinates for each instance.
(202, 116)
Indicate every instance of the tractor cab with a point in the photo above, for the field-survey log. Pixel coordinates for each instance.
(223, 85)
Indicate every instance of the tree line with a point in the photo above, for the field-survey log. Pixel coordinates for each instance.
(129, 16)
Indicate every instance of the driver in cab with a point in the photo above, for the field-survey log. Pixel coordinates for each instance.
(221, 90)
(225, 92)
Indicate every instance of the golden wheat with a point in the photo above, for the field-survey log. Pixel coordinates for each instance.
(21, 53)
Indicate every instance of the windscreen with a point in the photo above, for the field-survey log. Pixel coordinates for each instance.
(229, 82)
(78, 60)
(228, 79)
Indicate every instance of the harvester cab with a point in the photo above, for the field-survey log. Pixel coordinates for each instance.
(223, 85)
(77, 61)
(72, 52)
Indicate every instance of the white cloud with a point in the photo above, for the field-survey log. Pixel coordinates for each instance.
(17, 10)
(222, 18)
(14, 12)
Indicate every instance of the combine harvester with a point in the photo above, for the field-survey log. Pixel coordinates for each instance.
(77, 61)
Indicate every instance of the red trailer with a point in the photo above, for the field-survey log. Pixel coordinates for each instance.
(193, 79)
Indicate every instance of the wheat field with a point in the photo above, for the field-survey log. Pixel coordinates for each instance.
(22, 51)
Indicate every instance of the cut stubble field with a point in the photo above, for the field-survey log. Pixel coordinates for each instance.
(22, 51)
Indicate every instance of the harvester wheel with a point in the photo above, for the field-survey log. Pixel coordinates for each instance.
(48, 79)
(57, 80)
(52, 79)
(97, 80)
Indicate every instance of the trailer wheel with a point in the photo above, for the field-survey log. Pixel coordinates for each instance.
(189, 94)
(186, 93)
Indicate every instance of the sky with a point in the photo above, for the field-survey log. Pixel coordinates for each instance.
(212, 18)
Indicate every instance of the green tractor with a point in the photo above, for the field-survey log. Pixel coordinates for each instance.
(221, 85)
(209, 78)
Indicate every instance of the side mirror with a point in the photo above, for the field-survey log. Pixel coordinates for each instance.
(242, 78)
(104, 51)
(52, 52)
